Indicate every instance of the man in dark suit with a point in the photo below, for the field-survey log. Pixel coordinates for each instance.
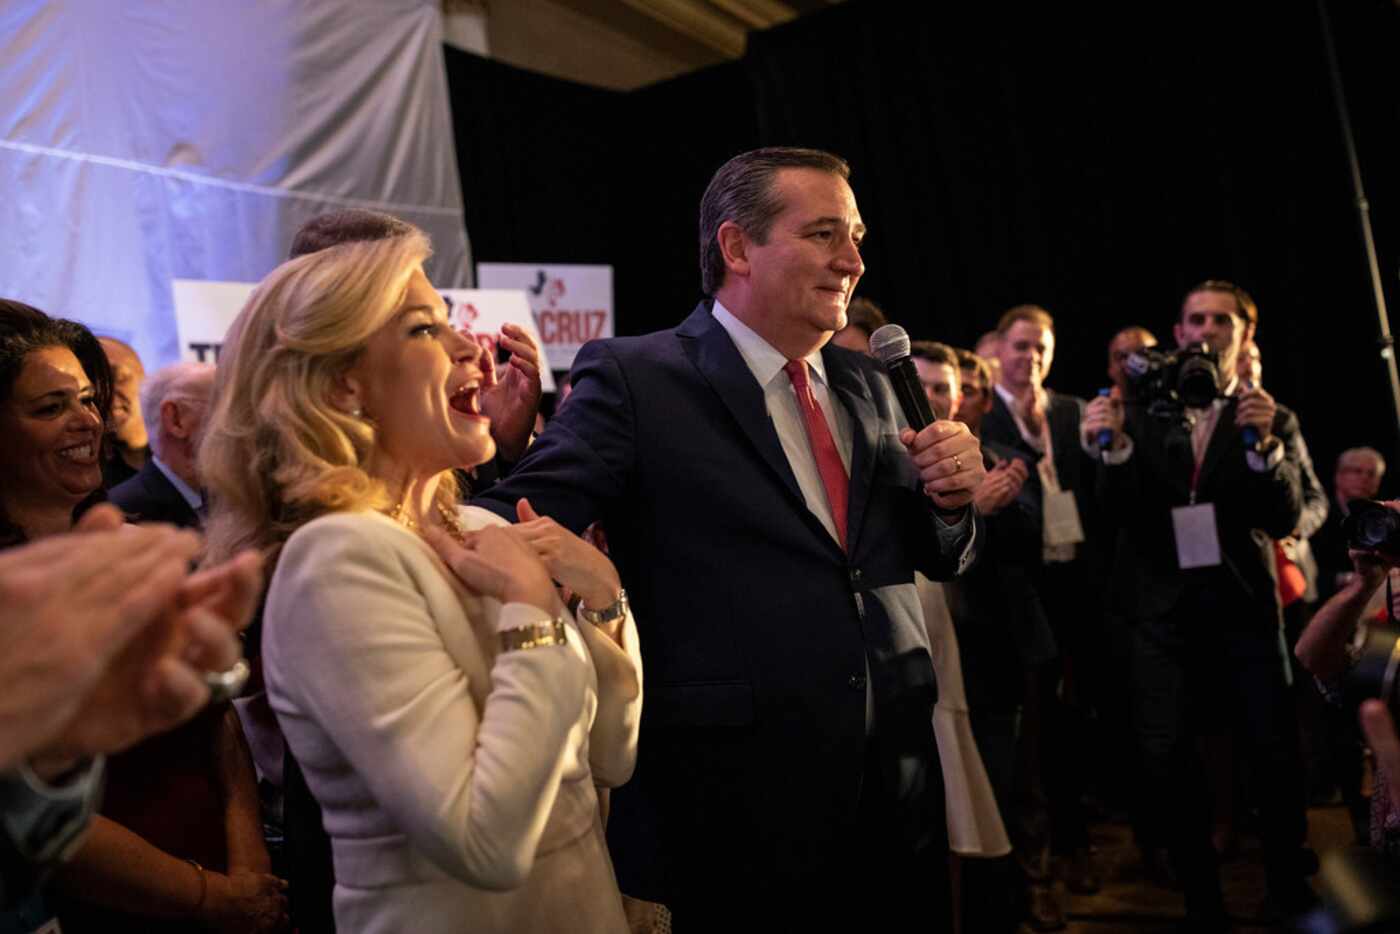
(767, 509)
(1199, 512)
(1002, 636)
(1043, 426)
(167, 488)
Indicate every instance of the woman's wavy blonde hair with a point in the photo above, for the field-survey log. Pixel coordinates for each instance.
(276, 452)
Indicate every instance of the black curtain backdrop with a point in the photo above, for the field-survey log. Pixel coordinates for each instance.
(1097, 164)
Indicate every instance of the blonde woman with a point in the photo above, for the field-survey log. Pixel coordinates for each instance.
(449, 717)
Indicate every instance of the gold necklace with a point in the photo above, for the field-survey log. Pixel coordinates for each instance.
(451, 524)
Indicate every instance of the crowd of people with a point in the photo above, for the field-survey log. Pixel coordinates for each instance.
(892, 671)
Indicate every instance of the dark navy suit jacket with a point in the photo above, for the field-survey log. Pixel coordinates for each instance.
(150, 497)
(755, 626)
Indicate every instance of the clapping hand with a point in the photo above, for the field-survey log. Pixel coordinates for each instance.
(1001, 486)
(512, 399)
(111, 636)
(1032, 406)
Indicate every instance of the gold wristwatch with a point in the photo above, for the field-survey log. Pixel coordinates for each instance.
(609, 614)
(535, 635)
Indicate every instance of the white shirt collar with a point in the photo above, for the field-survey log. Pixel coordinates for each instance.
(191, 495)
(764, 360)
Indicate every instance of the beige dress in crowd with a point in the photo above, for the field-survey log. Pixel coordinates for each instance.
(456, 782)
(975, 827)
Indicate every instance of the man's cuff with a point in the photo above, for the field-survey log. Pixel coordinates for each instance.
(949, 534)
(1264, 462)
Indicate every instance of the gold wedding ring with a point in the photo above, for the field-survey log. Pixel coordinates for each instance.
(957, 464)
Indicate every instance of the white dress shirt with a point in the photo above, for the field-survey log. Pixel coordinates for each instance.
(766, 363)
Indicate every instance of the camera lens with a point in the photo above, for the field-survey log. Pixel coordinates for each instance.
(1370, 525)
(1196, 383)
(1372, 529)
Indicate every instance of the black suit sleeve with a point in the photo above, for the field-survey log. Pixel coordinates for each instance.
(1278, 493)
(1314, 512)
(582, 463)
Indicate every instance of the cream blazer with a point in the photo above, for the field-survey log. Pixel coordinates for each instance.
(456, 782)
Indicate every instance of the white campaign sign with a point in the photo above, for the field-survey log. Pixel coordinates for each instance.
(204, 311)
(572, 305)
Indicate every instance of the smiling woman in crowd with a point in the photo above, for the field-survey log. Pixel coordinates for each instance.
(449, 717)
(187, 795)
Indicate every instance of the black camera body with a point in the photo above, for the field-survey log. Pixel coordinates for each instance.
(1371, 526)
(1169, 382)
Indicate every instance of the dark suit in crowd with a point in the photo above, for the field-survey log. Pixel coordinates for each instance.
(1209, 648)
(1069, 687)
(1002, 635)
(149, 496)
(760, 796)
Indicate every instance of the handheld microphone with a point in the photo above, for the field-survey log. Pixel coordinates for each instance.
(890, 345)
(1105, 434)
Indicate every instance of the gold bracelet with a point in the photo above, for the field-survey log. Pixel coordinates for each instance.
(203, 884)
(535, 635)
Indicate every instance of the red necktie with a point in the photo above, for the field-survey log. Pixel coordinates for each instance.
(823, 446)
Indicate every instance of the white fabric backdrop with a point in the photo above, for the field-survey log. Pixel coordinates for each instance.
(147, 140)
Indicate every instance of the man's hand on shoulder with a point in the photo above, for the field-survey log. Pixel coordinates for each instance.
(950, 465)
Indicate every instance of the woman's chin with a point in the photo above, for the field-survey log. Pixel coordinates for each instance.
(479, 451)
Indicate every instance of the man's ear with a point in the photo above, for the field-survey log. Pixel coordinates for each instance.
(1179, 334)
(734, 246)
(172, 420)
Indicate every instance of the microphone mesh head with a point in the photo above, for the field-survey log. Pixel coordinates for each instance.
(889, 343)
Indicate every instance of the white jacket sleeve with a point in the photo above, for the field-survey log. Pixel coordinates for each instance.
(612, 742)
(350, 644)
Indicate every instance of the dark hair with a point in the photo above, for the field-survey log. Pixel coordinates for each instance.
(353, 225)
(742, 192)
(25, 329)
(934, 352)
(1244, 305)
(866, 315)
(967, 360)
(1032, 313)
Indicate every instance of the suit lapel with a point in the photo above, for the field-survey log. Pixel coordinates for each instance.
(854, 393)
(713, 352)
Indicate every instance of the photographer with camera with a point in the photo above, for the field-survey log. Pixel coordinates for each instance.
(1350, 650)
(1198, 475)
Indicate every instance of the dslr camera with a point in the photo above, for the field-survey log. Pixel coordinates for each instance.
(1372, 526)
(1169, 382)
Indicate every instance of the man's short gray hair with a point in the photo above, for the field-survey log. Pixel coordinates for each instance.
(177, 382)
(1366, 452)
